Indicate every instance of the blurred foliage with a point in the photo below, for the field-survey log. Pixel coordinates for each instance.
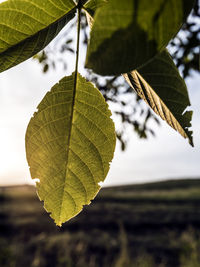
(190, 256)
(186, 46)
(6, 254)
(125, 104)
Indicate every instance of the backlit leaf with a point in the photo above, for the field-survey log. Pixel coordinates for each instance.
(126, 34)
(70, 142)
(92, 5)
(162, 88)
(26, 27)
(91, 8)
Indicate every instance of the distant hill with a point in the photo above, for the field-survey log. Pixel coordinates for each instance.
(170, 184)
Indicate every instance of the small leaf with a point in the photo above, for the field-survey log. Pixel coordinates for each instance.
(70, 142)
(26, 27)
(91, 8)
(126, 34)
(162, 88)
(92, 5)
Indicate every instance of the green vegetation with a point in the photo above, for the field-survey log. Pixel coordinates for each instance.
(27, 27)
(127, 34)
(73, 141)
(161, 83)
(150, 225)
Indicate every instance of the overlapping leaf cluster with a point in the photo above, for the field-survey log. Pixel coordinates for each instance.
(70, 140)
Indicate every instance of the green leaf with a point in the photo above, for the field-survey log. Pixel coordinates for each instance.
(126, 34)
(92, 5)
(70, 142)
(26, 27)
(162, 88)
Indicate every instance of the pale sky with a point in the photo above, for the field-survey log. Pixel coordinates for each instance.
(166, 156)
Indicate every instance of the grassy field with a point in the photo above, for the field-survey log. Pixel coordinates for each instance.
(148, 225)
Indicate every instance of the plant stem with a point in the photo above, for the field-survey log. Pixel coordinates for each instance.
(78, 39)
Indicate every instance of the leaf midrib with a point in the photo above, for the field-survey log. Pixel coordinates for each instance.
(68, 143)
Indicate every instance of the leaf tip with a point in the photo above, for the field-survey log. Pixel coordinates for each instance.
(59, 224)
(191, 140)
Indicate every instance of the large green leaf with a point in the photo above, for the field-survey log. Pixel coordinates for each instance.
(162, 88)
(70, 142)
(126, 34)
(26, 27)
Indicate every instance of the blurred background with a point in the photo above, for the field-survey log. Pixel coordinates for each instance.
(147, 213)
